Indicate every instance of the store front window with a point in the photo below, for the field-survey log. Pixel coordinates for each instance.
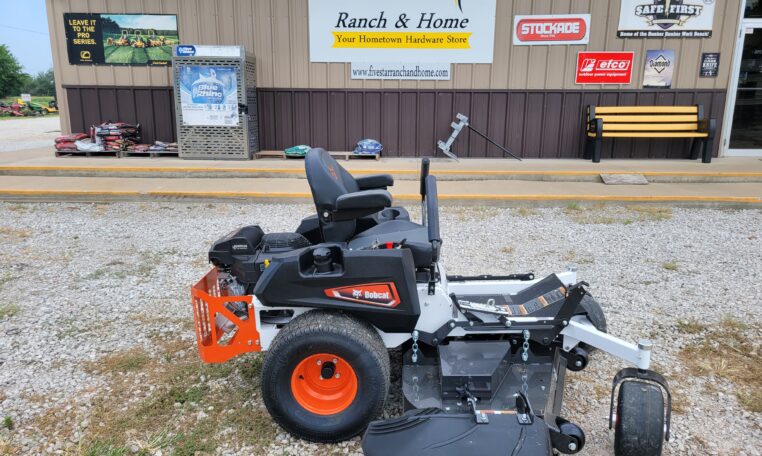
(753, 9)
(746, 131)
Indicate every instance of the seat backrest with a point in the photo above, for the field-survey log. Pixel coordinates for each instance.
(328, 180)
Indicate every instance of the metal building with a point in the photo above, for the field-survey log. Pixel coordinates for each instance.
(527, 96)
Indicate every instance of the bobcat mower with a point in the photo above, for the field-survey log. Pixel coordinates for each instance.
(484, 358)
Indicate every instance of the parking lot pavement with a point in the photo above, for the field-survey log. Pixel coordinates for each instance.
(98, 351)
(28, 133)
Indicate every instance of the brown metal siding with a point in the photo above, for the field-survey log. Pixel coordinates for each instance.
(153, 107)
(532, 124)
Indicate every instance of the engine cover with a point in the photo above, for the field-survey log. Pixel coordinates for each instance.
(245, 252)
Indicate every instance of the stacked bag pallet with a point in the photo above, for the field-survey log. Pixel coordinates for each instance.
(118, 139)
(116, 136)
(68, 143)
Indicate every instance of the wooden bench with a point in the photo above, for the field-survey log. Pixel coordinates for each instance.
(649, 122)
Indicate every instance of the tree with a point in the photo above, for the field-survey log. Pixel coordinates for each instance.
(43, 84)
(12, 79)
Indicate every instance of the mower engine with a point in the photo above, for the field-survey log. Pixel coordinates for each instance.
(246, 252)
(241, 257)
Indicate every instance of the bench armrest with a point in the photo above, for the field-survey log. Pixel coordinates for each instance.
(708, 126)
(374, 181)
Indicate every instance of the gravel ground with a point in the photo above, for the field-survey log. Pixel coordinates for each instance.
(83, 283)
(28, 132)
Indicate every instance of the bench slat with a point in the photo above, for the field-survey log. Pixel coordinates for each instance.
(657, 134)
(650, 127)
(648, 119)
(646, 109)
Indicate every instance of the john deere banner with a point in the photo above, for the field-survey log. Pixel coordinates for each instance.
(403, 31)
(120, 39)
(666, 18)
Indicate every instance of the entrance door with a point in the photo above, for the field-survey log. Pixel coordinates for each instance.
(745, 138)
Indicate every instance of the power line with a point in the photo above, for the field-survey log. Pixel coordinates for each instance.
(24, 30)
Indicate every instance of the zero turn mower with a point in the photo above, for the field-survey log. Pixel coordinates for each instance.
(484, 357)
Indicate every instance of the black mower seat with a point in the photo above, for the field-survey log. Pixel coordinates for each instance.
(416, 238)
(346, 205)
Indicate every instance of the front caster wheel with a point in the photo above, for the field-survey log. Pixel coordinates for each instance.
(576, 359)
(570, 438)
(325, 376)
(639, 429)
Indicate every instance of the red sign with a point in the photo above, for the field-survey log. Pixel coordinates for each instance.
(604, 67)
(551, 29)
(377, 294)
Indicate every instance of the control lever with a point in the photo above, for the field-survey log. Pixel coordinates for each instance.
(471, 400)
(524, 412)
(425, 163)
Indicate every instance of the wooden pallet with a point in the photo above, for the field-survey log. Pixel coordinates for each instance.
(344, 155)
(76, 153)
(148, 154)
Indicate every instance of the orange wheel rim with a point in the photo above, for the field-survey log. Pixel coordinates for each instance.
(324, 384)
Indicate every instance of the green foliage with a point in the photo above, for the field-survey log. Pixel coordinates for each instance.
(42, 84)
(8, 423)
(12, 78)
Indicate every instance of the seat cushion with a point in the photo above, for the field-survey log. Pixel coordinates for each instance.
(416, 239)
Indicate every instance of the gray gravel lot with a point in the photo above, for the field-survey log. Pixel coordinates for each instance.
(29, 132)
(80, 282)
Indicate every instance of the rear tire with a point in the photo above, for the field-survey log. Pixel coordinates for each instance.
(639, 427)
(294, 384)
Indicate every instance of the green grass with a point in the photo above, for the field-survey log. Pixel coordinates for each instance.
(730, 351)
(8, 423)
(35, 99)
(8, 311)
(124, 361)
(104, 449)
(691, 326)
(160, 53)
(137, 56)
(133, 421)
(119, 54)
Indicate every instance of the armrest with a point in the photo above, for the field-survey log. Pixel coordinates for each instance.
(359, 204)
(374, 181)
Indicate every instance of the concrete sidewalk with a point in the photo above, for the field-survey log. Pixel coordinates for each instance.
(36, 174)
(42, 162)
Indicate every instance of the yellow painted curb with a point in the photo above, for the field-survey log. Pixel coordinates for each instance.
(469, 197)
(148, 169)
(67, 192)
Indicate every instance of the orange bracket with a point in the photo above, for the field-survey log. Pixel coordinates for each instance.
(208, 301)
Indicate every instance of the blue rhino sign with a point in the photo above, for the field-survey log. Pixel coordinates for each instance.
(209, 95)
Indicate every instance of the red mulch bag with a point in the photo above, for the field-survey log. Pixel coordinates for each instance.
(71, 138)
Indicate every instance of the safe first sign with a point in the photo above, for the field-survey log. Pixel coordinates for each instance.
(604, 67)
(551, 29)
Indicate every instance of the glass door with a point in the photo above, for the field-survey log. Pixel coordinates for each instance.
(746, 129)
(745, 138)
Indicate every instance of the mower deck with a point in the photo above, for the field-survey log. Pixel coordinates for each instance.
(424, 387)
(433, 432)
